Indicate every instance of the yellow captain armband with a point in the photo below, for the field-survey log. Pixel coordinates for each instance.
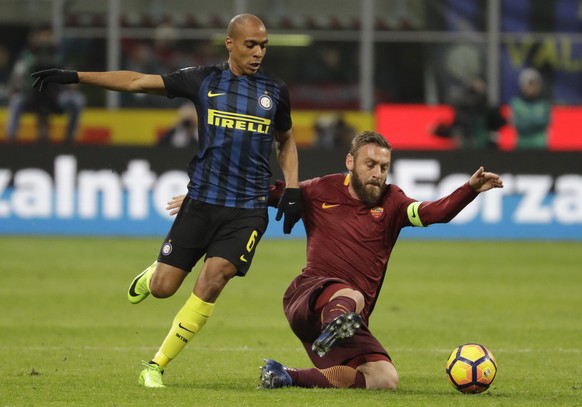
(413, 215)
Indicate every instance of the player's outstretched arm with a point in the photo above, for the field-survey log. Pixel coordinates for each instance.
(482, 181)
(121, 81)
(446, 208)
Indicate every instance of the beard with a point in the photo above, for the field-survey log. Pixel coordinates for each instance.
(368, 192)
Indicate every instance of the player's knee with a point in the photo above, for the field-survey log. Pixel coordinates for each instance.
(166, 281)
(211, 284)
(213, 277)
(386, 381)
(391, 381)
(381, 375)
(162, 289)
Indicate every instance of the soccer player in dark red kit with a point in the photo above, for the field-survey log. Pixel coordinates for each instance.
(352, 224)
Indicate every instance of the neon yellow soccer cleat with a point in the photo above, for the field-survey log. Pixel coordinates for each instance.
(151, 376)
(139, 288)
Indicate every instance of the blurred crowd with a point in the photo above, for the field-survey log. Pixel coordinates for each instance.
(322, 76)
(41, 52)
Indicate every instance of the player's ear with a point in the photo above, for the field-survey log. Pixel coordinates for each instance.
(349, 162)
(228, 43)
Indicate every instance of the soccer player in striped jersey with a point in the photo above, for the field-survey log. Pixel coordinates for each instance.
(241, 112)
(352, 224)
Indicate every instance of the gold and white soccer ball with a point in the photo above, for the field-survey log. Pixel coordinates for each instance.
(471, 368)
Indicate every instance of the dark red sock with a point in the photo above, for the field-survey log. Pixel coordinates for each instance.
(333, 377)
(336, 307)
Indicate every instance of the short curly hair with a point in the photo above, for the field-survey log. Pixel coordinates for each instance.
(368, 137)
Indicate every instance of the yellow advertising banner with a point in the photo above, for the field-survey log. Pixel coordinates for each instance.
(146, 126)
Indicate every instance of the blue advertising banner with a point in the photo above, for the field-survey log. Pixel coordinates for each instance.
(88, 191)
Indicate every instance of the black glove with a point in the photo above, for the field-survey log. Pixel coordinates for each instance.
(290, 204)
(45, 77)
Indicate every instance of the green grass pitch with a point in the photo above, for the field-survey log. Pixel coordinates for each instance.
(68, 336)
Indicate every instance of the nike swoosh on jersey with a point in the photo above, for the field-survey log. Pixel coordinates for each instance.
(212, 94)
(325, 205)
(242, 257)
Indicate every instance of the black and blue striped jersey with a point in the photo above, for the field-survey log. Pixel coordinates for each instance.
(237, 118)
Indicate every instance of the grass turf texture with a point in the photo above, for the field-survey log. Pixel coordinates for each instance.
(68, 336)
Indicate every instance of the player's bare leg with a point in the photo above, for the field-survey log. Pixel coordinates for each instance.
(161, 280)
(380, 375)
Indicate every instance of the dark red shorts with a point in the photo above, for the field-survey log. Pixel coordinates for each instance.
(299, 306)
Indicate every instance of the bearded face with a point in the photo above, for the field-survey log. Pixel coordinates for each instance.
(369, 170)
(368, 191)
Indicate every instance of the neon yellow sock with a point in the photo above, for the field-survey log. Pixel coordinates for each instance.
(188, 321)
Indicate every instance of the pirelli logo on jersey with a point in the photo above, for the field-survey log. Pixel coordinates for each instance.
(239, 121)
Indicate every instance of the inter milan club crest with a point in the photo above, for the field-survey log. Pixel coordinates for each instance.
(377, 212)
(167, 248)
(266, 102)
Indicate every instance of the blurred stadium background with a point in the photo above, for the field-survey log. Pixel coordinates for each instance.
(390, 65)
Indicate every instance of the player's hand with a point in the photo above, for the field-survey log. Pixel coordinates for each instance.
(275, 193)
(47, 76)
(483, 181)
(174, 204)
(290, 204)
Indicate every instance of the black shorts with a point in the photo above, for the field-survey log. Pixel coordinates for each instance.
(215, 231)
(299, 303)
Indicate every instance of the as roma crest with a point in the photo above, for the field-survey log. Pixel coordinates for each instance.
(377, 212)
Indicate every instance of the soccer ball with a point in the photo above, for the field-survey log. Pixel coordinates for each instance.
(471, 368)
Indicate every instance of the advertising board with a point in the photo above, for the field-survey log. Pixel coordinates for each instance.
(102, 191)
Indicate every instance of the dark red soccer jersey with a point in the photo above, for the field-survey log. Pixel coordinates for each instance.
(351, 241)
